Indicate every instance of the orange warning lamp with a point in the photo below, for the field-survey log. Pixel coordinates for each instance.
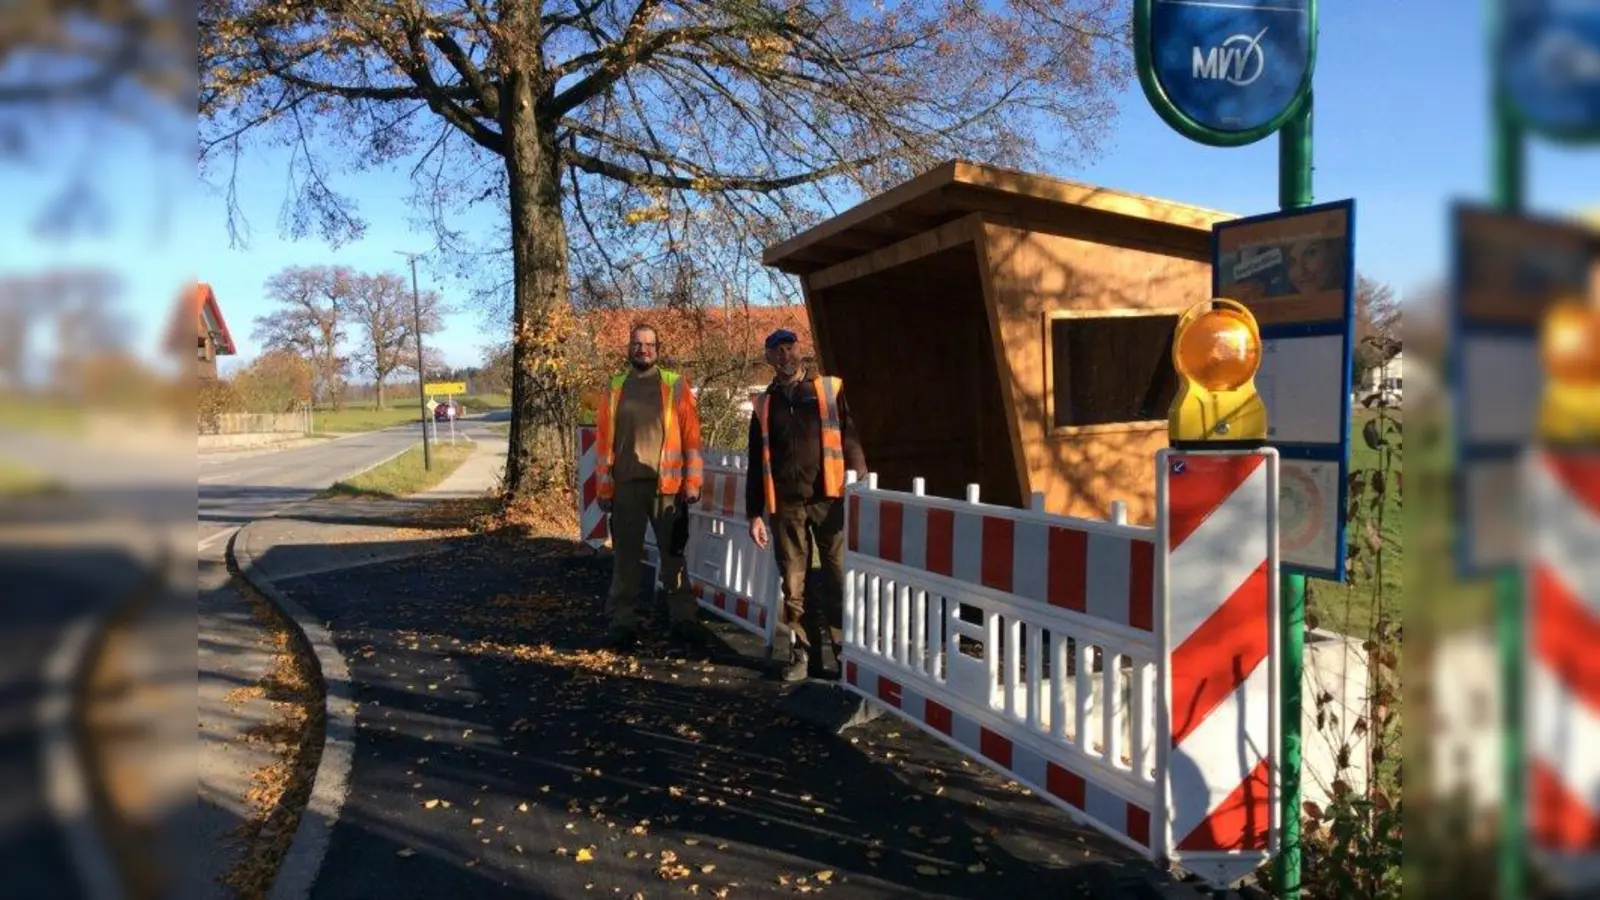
(1216, 351)
(1569, 347)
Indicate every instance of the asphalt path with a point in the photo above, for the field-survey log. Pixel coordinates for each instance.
(67, 561)
(496, 757)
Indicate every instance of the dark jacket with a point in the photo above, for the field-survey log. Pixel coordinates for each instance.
(796, 425)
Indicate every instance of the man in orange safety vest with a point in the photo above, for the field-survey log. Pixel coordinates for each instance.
(802, 439)
(648, 466)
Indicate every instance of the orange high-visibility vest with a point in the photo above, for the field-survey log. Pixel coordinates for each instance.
(827, 388)
(681, 467)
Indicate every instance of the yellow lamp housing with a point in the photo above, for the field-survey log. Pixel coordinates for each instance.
(1216, 351)
(1569, 348)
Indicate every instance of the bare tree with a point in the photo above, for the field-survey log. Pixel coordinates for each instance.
(1377, 326)
(382, 307)
(313, 308)
(654, 127)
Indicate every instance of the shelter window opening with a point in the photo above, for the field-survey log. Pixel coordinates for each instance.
(1108, 370)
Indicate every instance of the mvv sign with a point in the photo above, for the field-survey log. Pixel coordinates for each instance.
(1225, 74)
(1239, 60)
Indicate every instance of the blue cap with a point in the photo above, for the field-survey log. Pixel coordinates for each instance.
(780, 336)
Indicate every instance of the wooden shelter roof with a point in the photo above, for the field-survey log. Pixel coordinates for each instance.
(959, 188)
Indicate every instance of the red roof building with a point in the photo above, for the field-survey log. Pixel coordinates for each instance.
(199, 319)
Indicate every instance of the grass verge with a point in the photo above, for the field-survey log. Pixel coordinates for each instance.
(363, 417)
(17, 479)
(43, 416)
(404, 475)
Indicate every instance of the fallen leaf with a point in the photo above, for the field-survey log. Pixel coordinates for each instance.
(584, 855)
(431, 804)
(522, 807)
(707, 868)
(477, 821)
(824, 876)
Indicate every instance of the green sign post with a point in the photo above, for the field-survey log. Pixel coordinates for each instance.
(1228, 75)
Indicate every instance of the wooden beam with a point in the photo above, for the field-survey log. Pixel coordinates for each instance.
(961, 231)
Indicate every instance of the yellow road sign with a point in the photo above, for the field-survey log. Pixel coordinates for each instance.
(449, 388)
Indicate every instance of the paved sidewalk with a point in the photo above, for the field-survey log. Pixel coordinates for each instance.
(237, 652)
(492, 754)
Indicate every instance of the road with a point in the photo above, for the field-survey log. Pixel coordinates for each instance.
(236, 488)
(69, 561)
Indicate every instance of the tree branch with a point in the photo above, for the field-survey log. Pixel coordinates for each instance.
(417, 67)
(708, 182)
(616, 59)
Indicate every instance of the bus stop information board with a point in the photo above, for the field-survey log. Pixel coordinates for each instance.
(1295, 271)
(1509, 269)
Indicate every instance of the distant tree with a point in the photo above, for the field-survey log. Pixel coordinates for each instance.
(313, 307)
(494, 377)
(110, 67)
(278, 381)
(1377, 326)
(382, 307)
(651, 128)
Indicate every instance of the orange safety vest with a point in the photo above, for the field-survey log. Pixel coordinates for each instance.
(828, 388)
(681, 467)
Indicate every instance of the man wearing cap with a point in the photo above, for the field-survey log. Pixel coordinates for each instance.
(648, 465)
(802, 439)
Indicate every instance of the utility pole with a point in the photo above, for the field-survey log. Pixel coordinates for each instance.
(422, 391)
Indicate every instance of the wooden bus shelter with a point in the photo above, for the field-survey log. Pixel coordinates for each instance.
(1006, 329)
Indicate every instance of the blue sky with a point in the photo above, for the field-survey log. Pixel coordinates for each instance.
(1401, 125)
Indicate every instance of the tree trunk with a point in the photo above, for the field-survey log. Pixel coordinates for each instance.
(539, 271)
(379, 384)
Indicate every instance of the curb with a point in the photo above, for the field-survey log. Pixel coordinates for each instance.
(298, 870)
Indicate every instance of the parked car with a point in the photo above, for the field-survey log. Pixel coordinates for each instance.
(442, 412)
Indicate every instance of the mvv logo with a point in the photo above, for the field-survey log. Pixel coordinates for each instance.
(1239, 61)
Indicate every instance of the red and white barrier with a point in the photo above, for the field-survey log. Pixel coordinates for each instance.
(591, 518)
(1562, 675)
(1126, 673)
(1217, 536)
(731, 577)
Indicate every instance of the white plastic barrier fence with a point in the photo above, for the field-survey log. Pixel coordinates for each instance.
(729, 574)
(1561, 708)
(1126, 673)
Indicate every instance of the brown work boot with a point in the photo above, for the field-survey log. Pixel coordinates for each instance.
(799, 666)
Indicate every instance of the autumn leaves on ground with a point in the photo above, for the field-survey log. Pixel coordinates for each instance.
(499, 754)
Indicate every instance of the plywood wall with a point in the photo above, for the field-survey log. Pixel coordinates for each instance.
(1029, 274)
(913, 345)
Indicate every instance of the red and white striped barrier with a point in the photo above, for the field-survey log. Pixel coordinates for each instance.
(1217, 536)
(1128, 674)
(591, 518)
(731, 577)
(1125, 673)
(1561, 708)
